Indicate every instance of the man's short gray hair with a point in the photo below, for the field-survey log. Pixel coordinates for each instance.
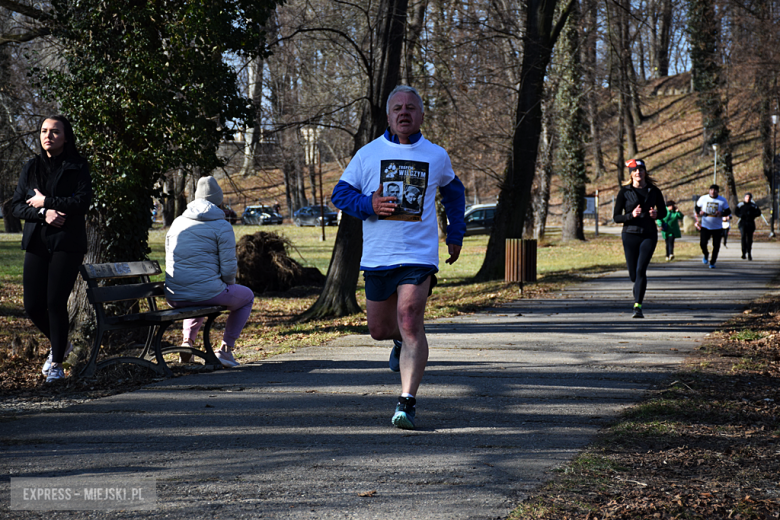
(405, 88)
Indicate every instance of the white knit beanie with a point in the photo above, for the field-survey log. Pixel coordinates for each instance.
(209, 189)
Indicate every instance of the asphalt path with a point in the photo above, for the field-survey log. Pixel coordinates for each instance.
(509, 395)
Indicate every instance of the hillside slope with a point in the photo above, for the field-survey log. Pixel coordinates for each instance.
(669, 139)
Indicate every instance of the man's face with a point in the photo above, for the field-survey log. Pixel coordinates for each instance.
(411, 196)
(713, 193)
(393, 190)
(405, 116)
(747, 199)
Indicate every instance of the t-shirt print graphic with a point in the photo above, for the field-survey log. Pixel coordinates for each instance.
(407, 181)
(711, 208)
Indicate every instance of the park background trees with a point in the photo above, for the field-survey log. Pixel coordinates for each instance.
(481, 67)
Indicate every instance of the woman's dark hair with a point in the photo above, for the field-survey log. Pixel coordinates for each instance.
(70, 149)
(44, 163)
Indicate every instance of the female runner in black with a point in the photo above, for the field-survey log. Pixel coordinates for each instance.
(639, 202)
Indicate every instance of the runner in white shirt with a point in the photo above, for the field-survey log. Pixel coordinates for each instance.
(710, 210)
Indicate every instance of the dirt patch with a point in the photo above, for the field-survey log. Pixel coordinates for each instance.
(705, 445)
(264, 265)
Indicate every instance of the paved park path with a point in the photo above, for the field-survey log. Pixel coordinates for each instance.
(509, 395)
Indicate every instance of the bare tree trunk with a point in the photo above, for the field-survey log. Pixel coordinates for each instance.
(338, 296)
(413, 33)
(12, 224)
(620, 163)
(662, 37)
(589, 60)
(180, 197)
(313, 182)
(169, 200)
(80, 311)
(625, 66)
(253, 133)
(515, 194)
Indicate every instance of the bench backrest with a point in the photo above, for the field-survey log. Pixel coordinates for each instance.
(99, 294)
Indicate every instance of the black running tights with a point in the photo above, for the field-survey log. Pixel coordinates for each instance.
(48, 280)
(669, 246)
(639, 250)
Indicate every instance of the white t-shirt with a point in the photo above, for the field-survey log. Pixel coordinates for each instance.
(709, 207)
(414, 171)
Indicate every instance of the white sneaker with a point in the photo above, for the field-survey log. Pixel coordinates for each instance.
(226, 358)
(47, 363)
(55, 374)
(183, 356)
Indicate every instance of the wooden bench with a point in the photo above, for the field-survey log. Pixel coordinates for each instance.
(109, 284)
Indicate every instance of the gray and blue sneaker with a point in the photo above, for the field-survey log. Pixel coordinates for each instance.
(404, 413)
(395, 356)
(47, 363)
(705, 260)
(55, 374)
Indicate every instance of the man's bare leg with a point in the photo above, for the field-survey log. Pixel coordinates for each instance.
(402, 317)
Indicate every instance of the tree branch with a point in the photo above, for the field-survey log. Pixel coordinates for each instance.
(26, 10)
(26, 37)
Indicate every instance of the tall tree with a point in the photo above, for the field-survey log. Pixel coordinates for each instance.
(592, 82)
(661, 36)
(706, 58)
(150, 90)
(571, 128)
(515, 194)
(383, 66)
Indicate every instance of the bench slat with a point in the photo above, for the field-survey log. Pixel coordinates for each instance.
(115, 293)
(164, 316)
(120, 270)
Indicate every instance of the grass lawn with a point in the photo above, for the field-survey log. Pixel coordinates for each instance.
(272, 327)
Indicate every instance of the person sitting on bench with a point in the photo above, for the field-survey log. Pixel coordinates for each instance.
(201, 266)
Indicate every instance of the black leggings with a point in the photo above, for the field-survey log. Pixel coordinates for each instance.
(639, 250)
(48, 280)
(747, 238)
(669, 246)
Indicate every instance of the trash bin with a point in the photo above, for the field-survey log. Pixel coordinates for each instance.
(520, 260)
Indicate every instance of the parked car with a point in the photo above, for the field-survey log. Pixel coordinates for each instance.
(312, 215)
(230, 215)
(260, 216)
(479, 219)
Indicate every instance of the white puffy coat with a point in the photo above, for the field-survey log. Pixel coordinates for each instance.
(200, 254)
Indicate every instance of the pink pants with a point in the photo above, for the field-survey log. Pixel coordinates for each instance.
(237, 298)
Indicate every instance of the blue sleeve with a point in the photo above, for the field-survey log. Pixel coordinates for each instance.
(453, 197)
(349, 199)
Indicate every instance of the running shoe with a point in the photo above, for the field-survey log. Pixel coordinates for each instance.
(55, 374)
(705, 260)
(395, 356)
(638, 312)
(185, 357)
(47, 363)
(404, 413)
(712, 266)
(226, 358)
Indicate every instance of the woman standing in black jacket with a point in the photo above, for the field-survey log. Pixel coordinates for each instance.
(53, 196)
(639, 202)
